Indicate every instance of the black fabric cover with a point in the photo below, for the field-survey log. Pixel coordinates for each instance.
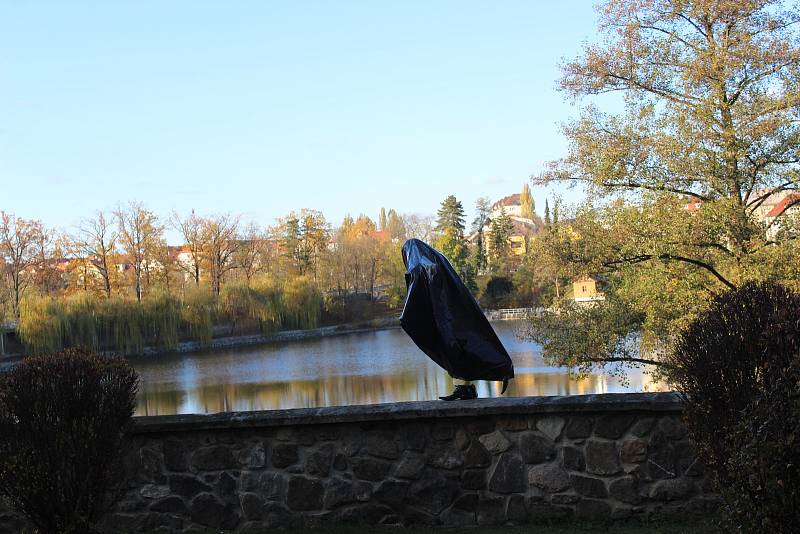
(442, 317)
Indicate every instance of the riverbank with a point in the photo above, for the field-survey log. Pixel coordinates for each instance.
(231, 342)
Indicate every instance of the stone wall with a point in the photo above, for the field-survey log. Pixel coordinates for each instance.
(485, 462)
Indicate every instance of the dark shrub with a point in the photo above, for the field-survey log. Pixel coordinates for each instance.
(738, 366)
(498, 291)
(61, 418)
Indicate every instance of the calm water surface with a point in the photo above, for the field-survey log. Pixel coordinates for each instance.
(362, 368)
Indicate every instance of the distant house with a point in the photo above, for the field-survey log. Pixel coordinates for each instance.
(586, 289)
(773, 209)
(787, 209)
(523, 227)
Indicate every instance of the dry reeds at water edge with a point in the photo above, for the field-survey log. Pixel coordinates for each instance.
(84, 319)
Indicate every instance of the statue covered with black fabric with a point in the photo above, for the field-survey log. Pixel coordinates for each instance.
(442, 317)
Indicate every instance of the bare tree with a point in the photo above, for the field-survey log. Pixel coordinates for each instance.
(95, 242)
(249, 257)
(220, 235)
(419, 227)
(191, 229)
(46, 273)
(18, 248)
(139, 234)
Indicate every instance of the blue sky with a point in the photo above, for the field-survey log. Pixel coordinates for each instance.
(263, 107)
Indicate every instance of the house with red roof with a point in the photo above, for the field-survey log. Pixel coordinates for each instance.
(777, 218)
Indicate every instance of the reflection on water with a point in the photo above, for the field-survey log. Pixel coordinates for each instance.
(362, 368)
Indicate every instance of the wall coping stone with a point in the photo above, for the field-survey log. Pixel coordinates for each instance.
(605, 402)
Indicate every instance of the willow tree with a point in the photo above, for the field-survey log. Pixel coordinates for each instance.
(709, 132)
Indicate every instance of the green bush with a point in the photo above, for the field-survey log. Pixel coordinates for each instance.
(738, 367)
(498, 293)
(61, 420)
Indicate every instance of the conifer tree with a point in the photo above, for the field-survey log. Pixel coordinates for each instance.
(451, 216)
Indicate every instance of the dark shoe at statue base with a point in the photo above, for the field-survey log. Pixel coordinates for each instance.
(462, 392)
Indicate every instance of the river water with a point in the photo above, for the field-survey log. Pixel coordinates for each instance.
(364, 368)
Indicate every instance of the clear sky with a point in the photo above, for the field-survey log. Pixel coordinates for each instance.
(263, 107)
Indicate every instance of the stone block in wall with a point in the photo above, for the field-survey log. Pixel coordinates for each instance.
(413, 436)
(633, 451)
(512, 424)
(207, 510)
(171, 504)
(366, 468)
(551, 426)
(539, 512)
(253, 506)
(366, 513)
(339, 492)
(579, 427)
(154, 491)
(508, 475)
(444, 456)
(433, 492)
(536, 449)
(175, 455)
(592, 510)
(549, 477)
(588, 486)
(467, 502)
(474, 479)
(455, 517)
(381, 445)
(410, 467)
(253, 456)
(284, 454)
(187, 485)
(443, 431)
(391, 492)
(602, 457)
(214, 458)
(461, 440)
(491, 511)
(625, 489)
(272, 485)
(477, 455)
(515, 509)
(320, 461)
(151, 465)
(303, 493)
(573, 459)
(642, 427)
(495, 442)
(613, 426)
